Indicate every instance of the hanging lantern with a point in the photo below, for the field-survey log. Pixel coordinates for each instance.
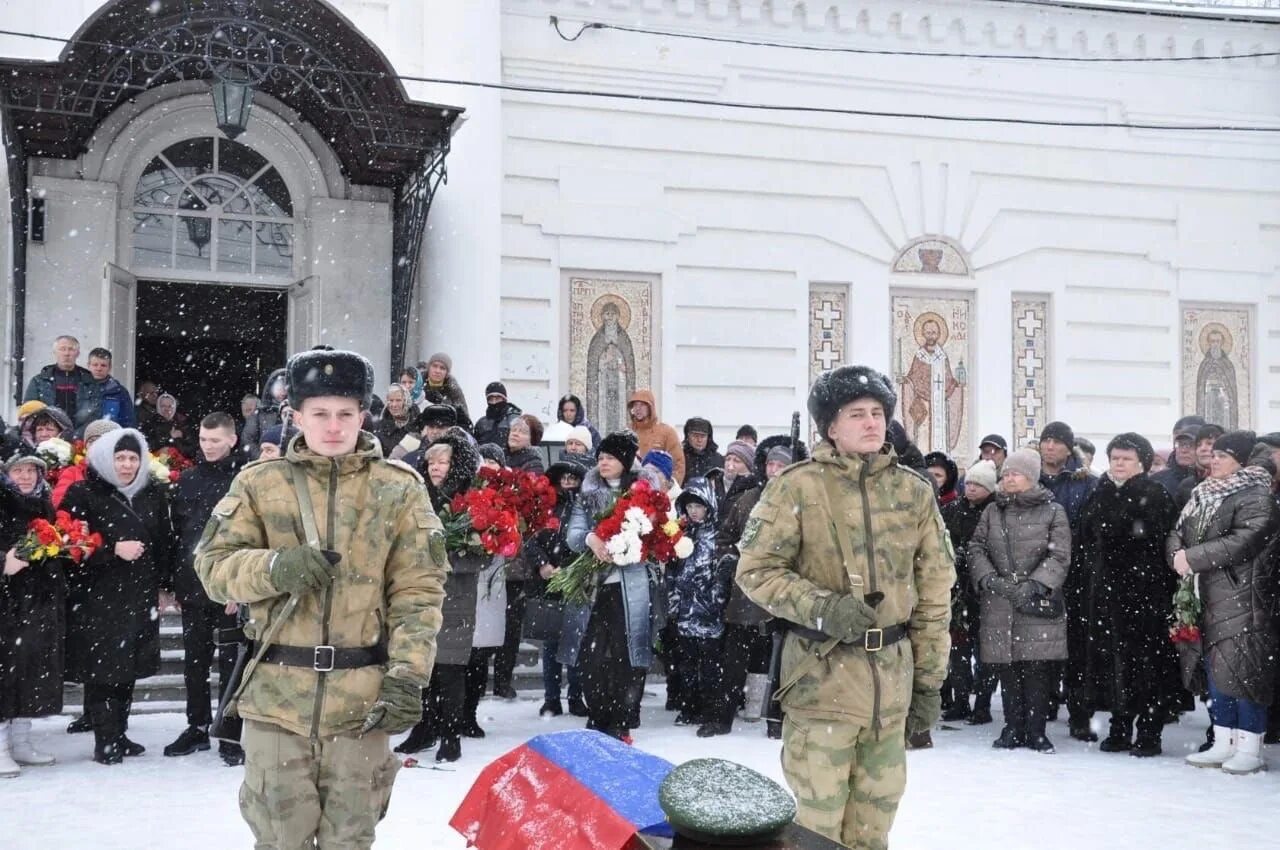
(232, 99)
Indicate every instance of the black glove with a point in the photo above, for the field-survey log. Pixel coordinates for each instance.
(844, 617)
(298, 569)
(1027, 592)
(999, 585)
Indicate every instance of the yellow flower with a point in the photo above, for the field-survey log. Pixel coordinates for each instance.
(671, 528)
(51, 551)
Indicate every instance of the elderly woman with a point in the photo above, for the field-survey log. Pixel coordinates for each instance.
(449, 467)
(1019, 556)
(31, 618)
(1225, 538)
(611, 637)
(171, 429)
(113, 634)
(45, 423)
(398, 420)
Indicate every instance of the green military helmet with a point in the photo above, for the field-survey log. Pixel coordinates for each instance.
(723, 803)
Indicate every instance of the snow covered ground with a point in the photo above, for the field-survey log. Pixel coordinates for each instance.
(960, 795)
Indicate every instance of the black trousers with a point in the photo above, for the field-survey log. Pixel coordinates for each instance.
(673, 662)
(107, 707)
(1026, 689)
(444, 702)
(504, 662)
(703, 660)
(610, 685)
(746, 650)
(199, 623)
(967, 676)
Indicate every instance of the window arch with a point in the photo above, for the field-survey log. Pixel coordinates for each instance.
(214, 206)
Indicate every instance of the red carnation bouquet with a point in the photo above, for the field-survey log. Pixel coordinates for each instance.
(63, 538)
(634, 530)
(1187, 609)
(495, 517)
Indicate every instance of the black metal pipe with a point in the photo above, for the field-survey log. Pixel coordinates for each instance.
(18, 202)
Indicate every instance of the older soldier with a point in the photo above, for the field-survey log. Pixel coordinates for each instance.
(850, 548)
(342, 561)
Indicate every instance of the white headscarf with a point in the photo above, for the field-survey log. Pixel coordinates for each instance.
(102, 458)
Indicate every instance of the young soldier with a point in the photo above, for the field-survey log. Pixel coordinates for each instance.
(342, 561)
(849, 547)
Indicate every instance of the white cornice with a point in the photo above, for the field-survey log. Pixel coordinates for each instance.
(1042, 29)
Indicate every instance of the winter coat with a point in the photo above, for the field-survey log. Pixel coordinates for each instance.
(735, 510)
(450, 393)
(1234, 559)
(453, 643)
(113, 633)
(191, 502)
(548, 547)
(1040, 538)
(639, 581)
(491, 603)
(699, 463)
(158, 433)
(67, 476)
(388, 587)
(494, 426)
(526, 460)
(792, 564)
(1120, 549)
(1071, 487)
(262, 420)
(700, 590)
(1172, 476)
(390, 432)
(43, 386)
(32, 614)
(961, 518)
(655, 434)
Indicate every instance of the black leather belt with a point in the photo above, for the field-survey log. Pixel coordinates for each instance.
(322, 659)
(873, 641)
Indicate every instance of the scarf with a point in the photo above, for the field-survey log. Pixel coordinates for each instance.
(1209, 495)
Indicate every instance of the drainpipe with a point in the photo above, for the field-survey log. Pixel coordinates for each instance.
(17, 165)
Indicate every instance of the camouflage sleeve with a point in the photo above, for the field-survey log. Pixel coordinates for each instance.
(232, 558)
(415, 576)
(770, 548)
(930, 622)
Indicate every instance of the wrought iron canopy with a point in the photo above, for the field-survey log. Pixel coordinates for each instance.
(301, 52)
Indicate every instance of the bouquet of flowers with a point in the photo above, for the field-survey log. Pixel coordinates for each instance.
(167, 464)
(635, 529)
(495, 517)
(59, 455)
(63, 538)
(1187, 608)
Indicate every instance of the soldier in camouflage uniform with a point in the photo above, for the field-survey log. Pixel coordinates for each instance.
(849, 547)
(349, 625)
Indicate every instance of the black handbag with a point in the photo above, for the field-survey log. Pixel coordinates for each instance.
(1047, 604)
(543, 618)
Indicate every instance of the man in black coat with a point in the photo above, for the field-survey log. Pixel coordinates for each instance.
(494, 426)
(1182, 460)
(1130, 661)
(701, 454)
(194, 495)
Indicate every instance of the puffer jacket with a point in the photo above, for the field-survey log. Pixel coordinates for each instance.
(388, 587)
(43, 386)
(1234, 559)
(1025, 537)
(792, 564)
(700, 590)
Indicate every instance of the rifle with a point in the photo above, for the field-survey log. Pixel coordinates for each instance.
(773, 711)
(224, 727)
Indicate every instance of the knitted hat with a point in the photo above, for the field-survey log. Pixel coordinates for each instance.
(443, 359)
(779, 454)
(1025, 461)
(437, 416)
(834, 389)
(129, 443)
(20, 458)
(313, 374)
(582, 434)
(983, 474)
(661, 461)
(621, 445)
(1059, 431)
(1134, 443)
(98, 427)
(743, 452)
(28, 408)
(493, 452)
(1238, 444)
(495, 388)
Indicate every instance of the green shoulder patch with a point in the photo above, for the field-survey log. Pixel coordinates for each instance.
(750, 532)
(435, 544)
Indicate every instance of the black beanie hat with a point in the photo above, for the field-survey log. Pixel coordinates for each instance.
(1238, 444)
(129, 443)
(622, 445)
(1061, 432)
(834, 389)
(495, 388)
(1135, 443)
(493, 452)
(313, 374)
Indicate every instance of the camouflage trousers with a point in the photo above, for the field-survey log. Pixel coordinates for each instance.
(846, 780)
(300, 794)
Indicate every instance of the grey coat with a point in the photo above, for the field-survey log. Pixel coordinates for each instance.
(1235, 561)
(1040, 537)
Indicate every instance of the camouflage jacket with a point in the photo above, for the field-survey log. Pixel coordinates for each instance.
(389, 584)
(791, 562)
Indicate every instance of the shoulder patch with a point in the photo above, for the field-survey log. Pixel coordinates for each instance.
(403, 467)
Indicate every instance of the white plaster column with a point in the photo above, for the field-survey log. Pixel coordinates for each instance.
(460, 291)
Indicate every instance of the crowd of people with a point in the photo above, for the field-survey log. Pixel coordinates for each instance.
(1064, 595)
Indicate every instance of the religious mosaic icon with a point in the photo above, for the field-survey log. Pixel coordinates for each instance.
(932, 358)
(610, 346)
(1216, 365)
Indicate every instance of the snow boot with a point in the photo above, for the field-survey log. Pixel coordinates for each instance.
(577, 706)
(8, 767)
(712, 728)
(688, 718)
(920, 741)
(1224, 747)
(20, 744)
(1008, 740)
(83, 723)
(980, 716)
(107, 732)
(232, 755)
(551, 708)
(420, 738)
(957, 712)
(1082, 731)
(1041, 744)
(193, 739)
(1248, 755)
(450, 748)
(505, 692)
(470, 728)
(1146, 747)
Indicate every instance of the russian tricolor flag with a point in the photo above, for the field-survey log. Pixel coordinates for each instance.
(578, 790)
